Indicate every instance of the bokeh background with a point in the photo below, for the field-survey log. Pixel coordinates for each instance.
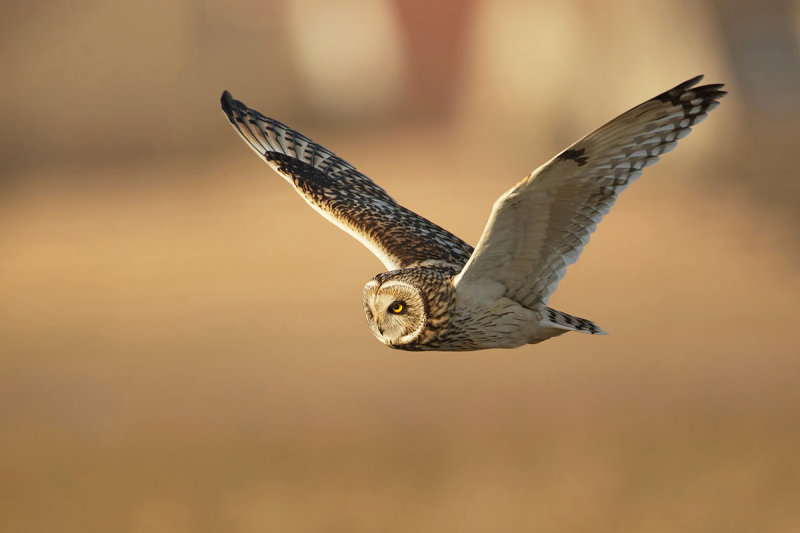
(183, 345)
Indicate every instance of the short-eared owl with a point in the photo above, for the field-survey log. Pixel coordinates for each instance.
(439, 292)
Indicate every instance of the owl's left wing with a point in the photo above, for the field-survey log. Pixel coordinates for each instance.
(332, 186)
(541, 225)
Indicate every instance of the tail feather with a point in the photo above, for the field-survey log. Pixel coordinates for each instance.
(561, 320)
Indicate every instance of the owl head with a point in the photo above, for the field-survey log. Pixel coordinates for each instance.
(405, 308)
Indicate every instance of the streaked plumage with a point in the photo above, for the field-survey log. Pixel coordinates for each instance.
(495, 296)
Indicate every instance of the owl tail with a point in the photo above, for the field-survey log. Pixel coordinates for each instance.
(562, 321)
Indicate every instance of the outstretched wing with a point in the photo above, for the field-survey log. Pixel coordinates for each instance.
(399, 237)
(540, 226)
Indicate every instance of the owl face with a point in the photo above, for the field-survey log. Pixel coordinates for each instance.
(396, 311)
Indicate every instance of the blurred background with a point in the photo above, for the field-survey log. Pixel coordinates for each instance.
(182, 341)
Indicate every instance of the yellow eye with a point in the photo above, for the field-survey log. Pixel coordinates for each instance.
(397, 307)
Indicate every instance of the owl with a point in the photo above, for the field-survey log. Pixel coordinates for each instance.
(440, 293)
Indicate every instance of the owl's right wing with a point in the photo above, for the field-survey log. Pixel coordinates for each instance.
(399, 237)
(540, 226)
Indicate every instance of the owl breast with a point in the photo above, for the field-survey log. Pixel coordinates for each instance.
(478, 324)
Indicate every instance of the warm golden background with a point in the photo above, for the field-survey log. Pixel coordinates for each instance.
(183, 344)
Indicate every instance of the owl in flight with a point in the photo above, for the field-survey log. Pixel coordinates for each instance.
(439, 293)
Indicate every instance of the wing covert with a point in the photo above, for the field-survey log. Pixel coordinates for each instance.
(397, 236)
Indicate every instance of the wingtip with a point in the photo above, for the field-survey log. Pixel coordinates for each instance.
(226, 100)
(691, 82)
(715, 88)
(694, 81)
(712, 91)
(229, 106)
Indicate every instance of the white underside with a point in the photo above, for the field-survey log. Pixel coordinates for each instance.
(500, 323)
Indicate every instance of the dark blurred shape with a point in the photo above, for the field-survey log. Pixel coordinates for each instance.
(762, 45)
(435, 35)
(761, 40)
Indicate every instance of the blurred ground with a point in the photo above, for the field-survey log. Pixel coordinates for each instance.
(183, 345)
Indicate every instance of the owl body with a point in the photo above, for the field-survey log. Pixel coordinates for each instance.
(492, 323)
(433, 315)
(440, 293)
